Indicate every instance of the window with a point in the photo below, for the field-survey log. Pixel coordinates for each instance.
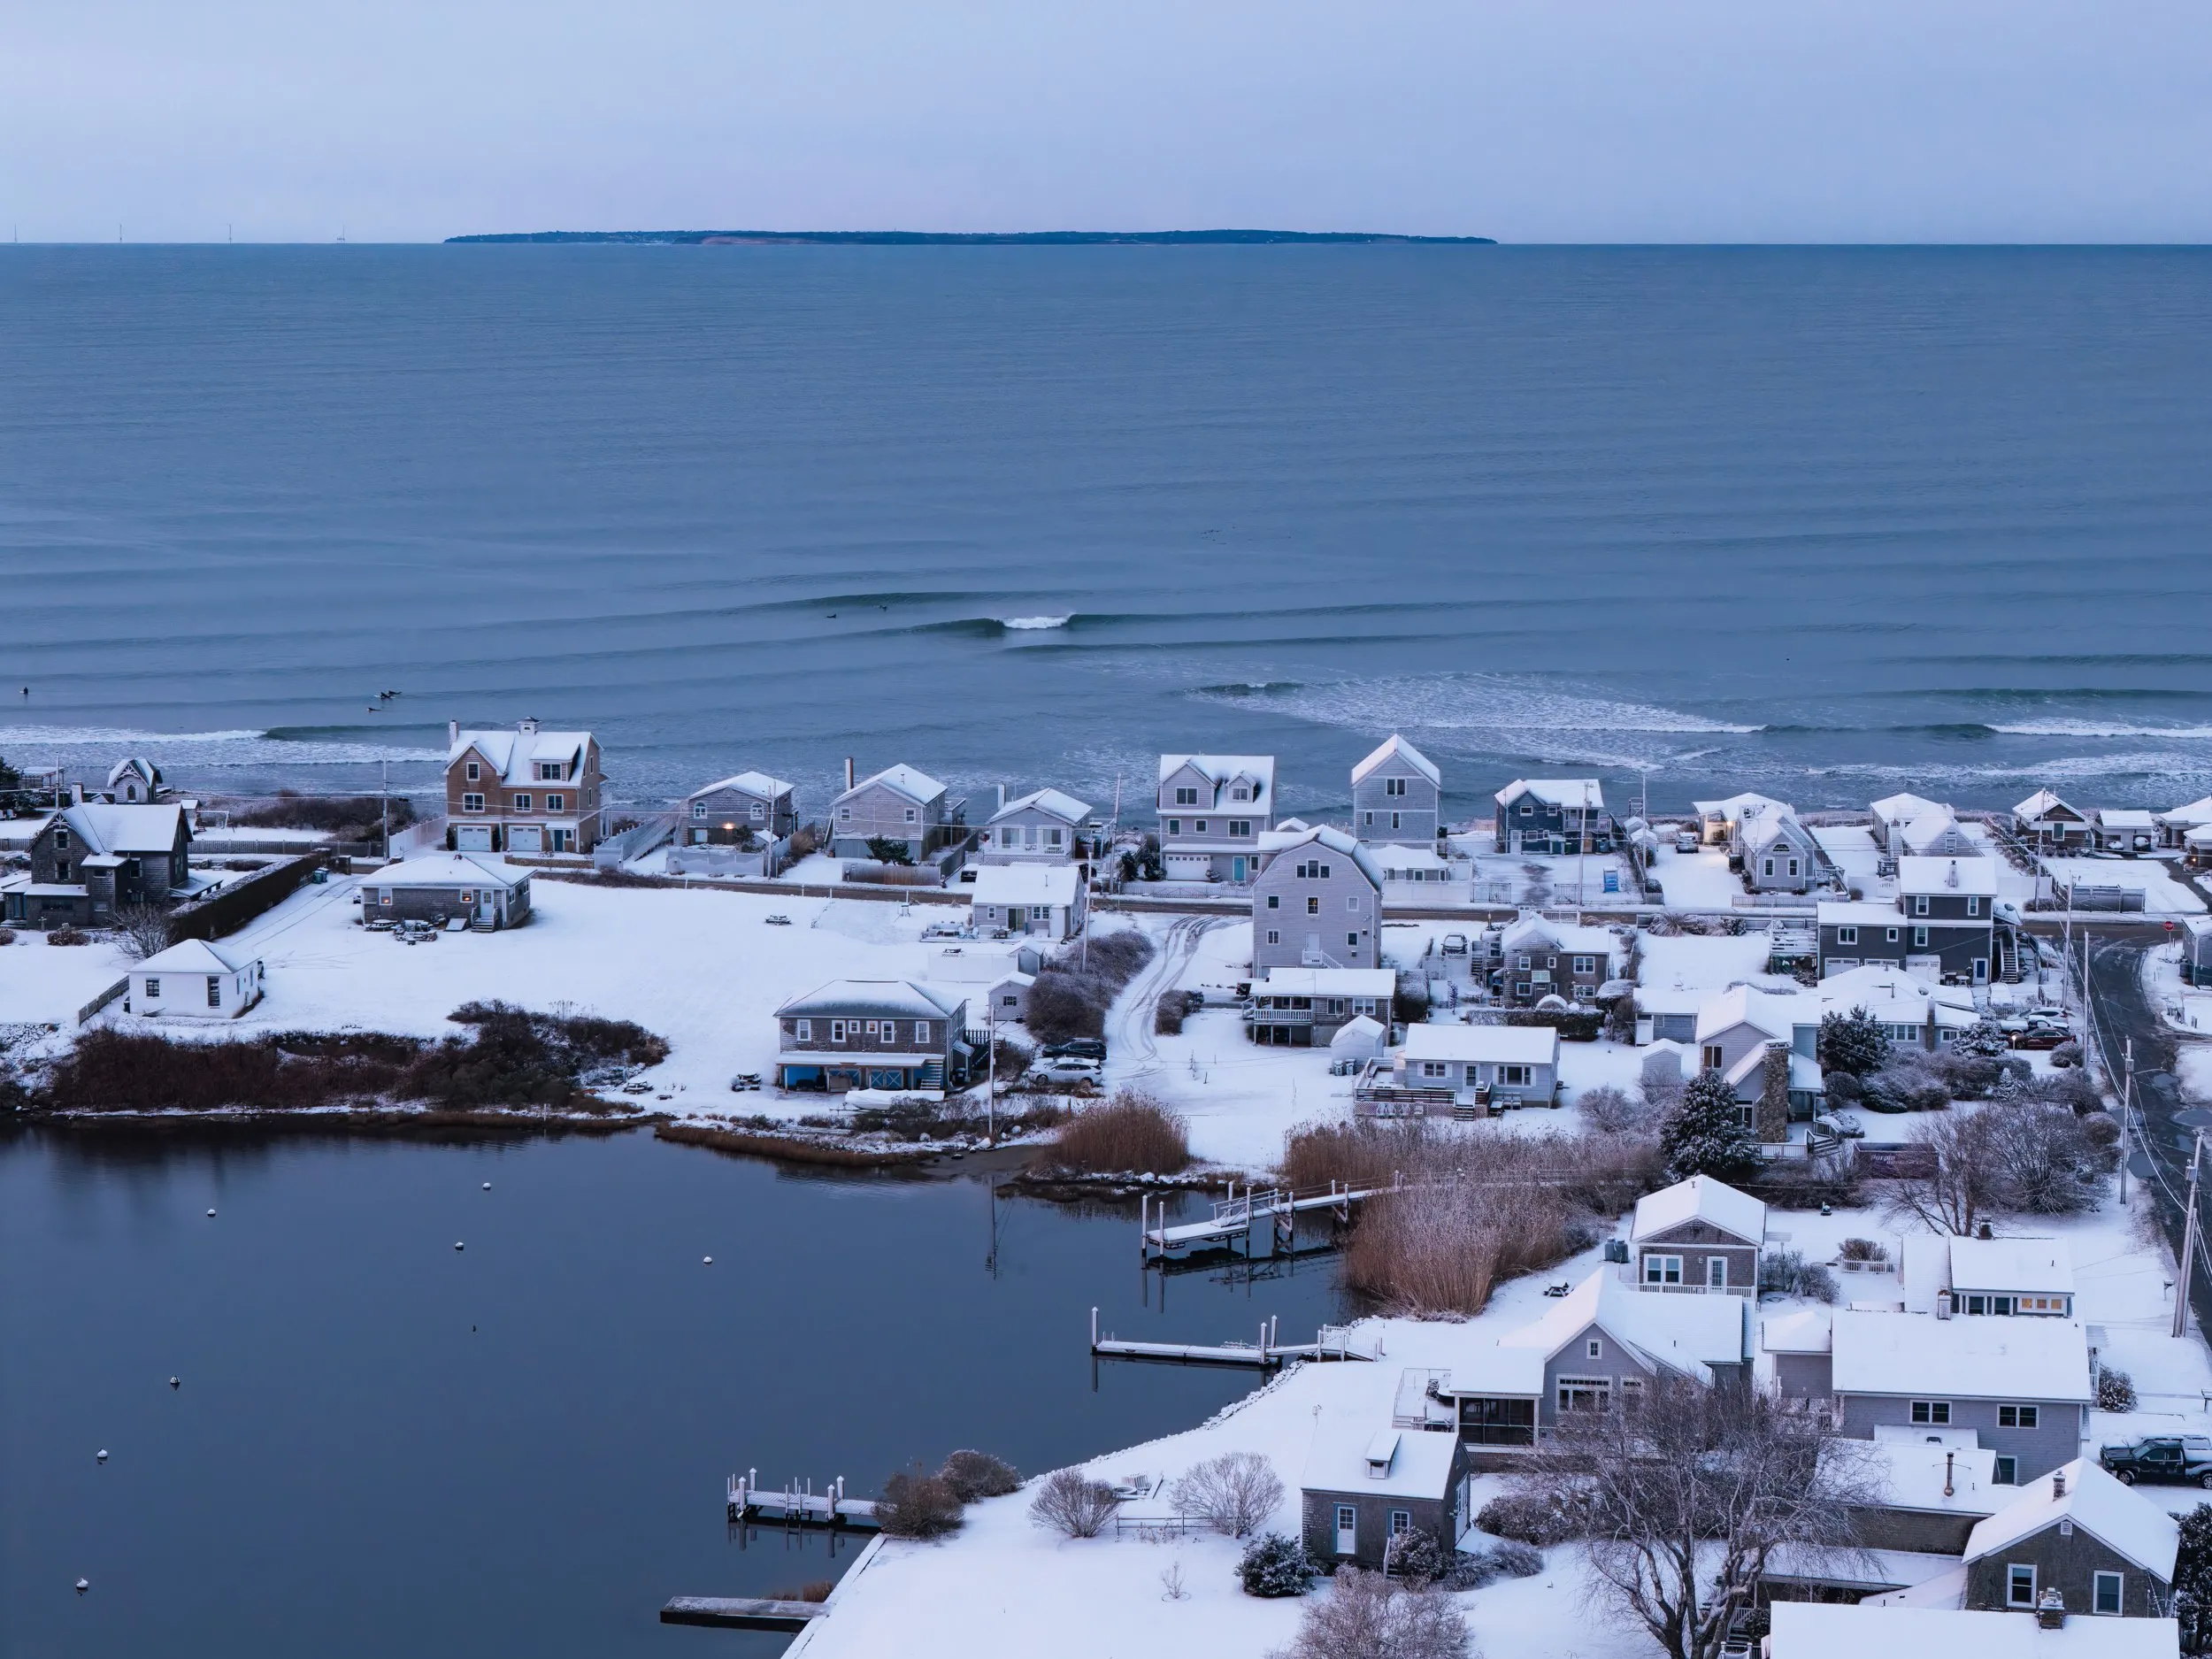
(1401, 1523)
(844, 815)
(1714, 1057)
(1769, 869)
(1514, 1076)
(1313, 907)
(1585, 966)
(837, 1031)
(61, 841)
(1186, 797)
(1890, 938)
(1352, 940)
(474, 772)
(1973, 905)
(699, 809)
(1716, 1273)
(1274, 936)
(1846, 935)
(2007, 1472)
(1175, 826)
(1523, 963)
(384, 896)
(1237, 826)
(1351, 902)
(1198, 826)
(1919, 905)
(1594, 1348)
(1585, 1394)
(61, 870)
(2104, 1595)
(215, 990)
(1242, 792)
(802, 1030)
(472, 803)
(912, 814)
(548, 771)
(756, 812)
(1934, 1412)
(921, 1030)
(1274, 901)
(2020, 1584)
(522, 803)
(554, 802)
(1663, 1270)
(1527, 811)
(1371, 819)
(1520, 988)
(873, 1029)
(153, 988)
(2017, 1417)
(1053, 833)
(1393, 820)
(1393, 786)
(1920, 937)
(1434, 1068)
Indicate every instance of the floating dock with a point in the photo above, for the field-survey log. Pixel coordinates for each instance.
(729, 1612)
(1330, 1342)
(746, 1500)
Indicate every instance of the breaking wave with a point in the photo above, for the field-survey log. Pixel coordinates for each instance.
(1036, 622)
(334, 746)
(2098, 728)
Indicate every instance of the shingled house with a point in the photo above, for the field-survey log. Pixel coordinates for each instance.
(90, 860)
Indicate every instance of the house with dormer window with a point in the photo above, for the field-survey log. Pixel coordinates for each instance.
(1212, 810)
(92, 859)
(1317, 904)
(525, 793)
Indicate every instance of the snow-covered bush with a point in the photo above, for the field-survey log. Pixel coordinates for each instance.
(1234, 1494)
(973, 1475)
(1529, 1519)
(1276, 1565)
(1070, 1501)
(1516, 1559)
(1366, 1615)
(2115, 1390)
(1415, 1558)
(1788, 1273)
(915, 1505)
(1852, 1042)
(1612, 1110)
(2067, 1053)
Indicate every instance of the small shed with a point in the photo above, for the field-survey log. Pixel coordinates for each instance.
(1040, 899)
(1358, 1493)
(195, 980)
(1359, 1038)
(490, 893)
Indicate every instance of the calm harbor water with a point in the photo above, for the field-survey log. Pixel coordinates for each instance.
(1822, 521)
(383, 1446)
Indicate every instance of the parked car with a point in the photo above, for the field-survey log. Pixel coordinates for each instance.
(1078, 1048)
(2041, 1037)
(1842, 1128)
(1686, 842)
(2182, 1458)
(1455, 944)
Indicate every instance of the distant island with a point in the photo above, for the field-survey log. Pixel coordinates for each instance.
(968, 239)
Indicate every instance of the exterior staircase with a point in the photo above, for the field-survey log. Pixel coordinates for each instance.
(932, 1075)
(2007, 956)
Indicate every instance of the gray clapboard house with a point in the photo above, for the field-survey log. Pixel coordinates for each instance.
(1698, 1235)
(1043, 826)
(1780, 856)
(1213, 809)
(1397, 796)
(1317, 904)
(737, 812)
(904, 805)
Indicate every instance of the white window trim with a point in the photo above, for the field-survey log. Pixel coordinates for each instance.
(2119, 1594)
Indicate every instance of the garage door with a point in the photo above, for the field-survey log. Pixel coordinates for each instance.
(474, 838)
(525, 838)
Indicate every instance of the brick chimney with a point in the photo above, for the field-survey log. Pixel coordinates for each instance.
(529, 727)
(2050, 1612)
(2058, 1483)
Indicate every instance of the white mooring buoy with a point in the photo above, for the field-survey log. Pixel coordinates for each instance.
(706, 1261)
(84, 1585)
(102, 1455)
(174, 1383)
(488, 1186)
(211, 1215)
(456, 1244)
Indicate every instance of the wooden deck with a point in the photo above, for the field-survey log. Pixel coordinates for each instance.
(727, 1612)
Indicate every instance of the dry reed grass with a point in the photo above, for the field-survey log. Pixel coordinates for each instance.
(1130, 1131)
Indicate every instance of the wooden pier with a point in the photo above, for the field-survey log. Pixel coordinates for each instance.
(736, 1612)
(746, 1500)
(1330, 1342)
(1237, 1215)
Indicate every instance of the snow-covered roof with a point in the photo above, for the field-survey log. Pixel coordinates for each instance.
(1769, 827)
(2200, 836)
(2045, 1265)
(1930, 827)
(1777, 1013)
(1376, 982)
(2125, 818)
(1348, 1450)
(915, 784)
(1223, 770)
(2197, 813)
(129, 763)
(1895, 997)
(1736, 805)
(1917, 1354)
(1914, 1475)
(1555, 792)
(1023, 884)
(1336, 841)
(2042, 803)
(513, 754)
(1854, 913)
(1685, 1333)
(1701, 1198)
(447, 870)
(1840, 1630)
(1903, 808)
(901, 998)
(1572, 937)
(1394, 857)
(2095, 1503)
(972, 963)
(124, 829)
(1948, 875)
(1496, 1045)
(1808, 1330)
(752, 783)
(1051, 803)
(1360, 1034)
(193, 955)
(1395, 745)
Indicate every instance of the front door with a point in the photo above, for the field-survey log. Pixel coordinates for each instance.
(1347, 1530)
(1236, 869)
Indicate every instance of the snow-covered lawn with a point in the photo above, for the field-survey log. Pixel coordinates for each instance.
(1700, 881)
(1691, 962)
(2162, 893)
(44, 984)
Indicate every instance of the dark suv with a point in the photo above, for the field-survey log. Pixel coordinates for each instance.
(2186, 1458)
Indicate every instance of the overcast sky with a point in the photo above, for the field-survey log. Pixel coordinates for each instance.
(1548, 120)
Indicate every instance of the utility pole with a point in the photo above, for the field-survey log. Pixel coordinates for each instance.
(2188, 1243)
(990, 1091)
(2127, 1100)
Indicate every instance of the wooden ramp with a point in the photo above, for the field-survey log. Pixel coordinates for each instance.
(1240, 1213)
(1330, 1342)
(727, 1612)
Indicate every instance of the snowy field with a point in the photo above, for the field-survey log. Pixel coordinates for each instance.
(2162, 893)
(1002, 1586)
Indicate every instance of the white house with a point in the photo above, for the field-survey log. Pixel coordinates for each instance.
(1042, 827)
(1513, 1065)
(1043, 899)
(2126, 830)
(1892, 812)
(194, 979)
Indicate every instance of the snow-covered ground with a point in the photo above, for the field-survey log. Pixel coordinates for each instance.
(1700, 881)
(2164, 894)
(44, 984)
(1002, 1586)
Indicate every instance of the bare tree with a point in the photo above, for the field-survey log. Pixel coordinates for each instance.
(1235, 1493)
(142, 930)
(1722, 1475)
(1612, 1110)
(1364, 1616)
(2043, 1157)
(1070, 1501)
(1952, 1177)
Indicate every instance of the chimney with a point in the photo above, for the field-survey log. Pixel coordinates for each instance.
(76, 793)
(2050, 1612)
(998, 799)
(1943, 1304)
(452, 733)
(1949, 1491)
(2058, 1483)
(529, 727)
(1983, 1232)
(848, 771)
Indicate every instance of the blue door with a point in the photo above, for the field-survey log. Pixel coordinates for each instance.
(1236, 870)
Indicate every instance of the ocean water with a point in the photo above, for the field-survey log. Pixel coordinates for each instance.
(1827, 522)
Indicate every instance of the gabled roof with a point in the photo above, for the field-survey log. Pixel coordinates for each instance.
(1768, 827)
(1334, 841)
(916, 785)
(1395, 745)
(1572, 937)
(1735, 807)
(1808, 1330)
(1959, 875)
(2125, 818)
(1895, 997)
(1892, 809)
(901, 998)
(2118, 1518)
(1051, 803)
(1689, 1334)
(2008, 1265)
(1223, 770)
(447, 870)
(1023, 884)
(512, 754)
(1908, 1474)
(124, 829)
(1347, 1448)
(1555, 792)
(753, 783)
(1701, 1198)
(1836, 1629)
(2043, 803)
(1930, 827)
(1494, 1045)
(193, 955)
(1777, 1013)
(2197, 813)
(129, 763)
(1392, 856)
(1917, 1354)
